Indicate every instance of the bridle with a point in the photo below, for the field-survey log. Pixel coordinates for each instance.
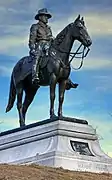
(73, 55)
(84, 54)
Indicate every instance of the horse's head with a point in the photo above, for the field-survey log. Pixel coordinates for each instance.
(80, 32)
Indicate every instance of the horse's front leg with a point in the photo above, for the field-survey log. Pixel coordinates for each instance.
(53, 82)
(62, 86)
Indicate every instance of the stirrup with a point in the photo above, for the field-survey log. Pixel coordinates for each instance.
(35, 80)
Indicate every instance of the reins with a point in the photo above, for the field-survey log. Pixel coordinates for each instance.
(73, 55)
(82, 57)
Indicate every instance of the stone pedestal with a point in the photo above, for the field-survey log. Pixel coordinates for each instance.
(57, 143)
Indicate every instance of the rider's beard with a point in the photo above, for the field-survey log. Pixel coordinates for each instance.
(44, 19)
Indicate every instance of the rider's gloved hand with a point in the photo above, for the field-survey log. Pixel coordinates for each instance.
(32, 52)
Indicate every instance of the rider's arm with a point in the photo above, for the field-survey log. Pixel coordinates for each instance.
(32, 37)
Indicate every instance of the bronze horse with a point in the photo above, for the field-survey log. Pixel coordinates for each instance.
(55, 69)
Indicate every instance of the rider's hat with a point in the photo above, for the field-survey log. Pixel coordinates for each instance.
(43, 12)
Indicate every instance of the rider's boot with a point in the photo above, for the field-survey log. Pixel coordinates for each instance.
(70, 84)
(47, 52)
(35, 71)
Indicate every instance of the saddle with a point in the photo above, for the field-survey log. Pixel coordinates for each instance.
(42, 62)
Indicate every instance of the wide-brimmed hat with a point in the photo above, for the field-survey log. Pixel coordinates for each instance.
(42, 12)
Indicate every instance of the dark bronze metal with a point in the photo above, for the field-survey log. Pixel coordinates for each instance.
(53, 69)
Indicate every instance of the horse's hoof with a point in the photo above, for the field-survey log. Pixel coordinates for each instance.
(22, 125)
(60, 117)
(71, 85)
(53, 117)
(75, 85)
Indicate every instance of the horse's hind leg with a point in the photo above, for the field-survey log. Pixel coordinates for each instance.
(29, 96)
(19, 91)
(52, 95)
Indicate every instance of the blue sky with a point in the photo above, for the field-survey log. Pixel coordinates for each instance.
(92, 99)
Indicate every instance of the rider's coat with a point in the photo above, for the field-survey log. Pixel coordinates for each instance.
(39, 32)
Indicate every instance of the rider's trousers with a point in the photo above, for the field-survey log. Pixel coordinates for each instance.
(41, 49)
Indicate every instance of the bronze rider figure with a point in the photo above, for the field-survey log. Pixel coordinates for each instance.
(40, 39)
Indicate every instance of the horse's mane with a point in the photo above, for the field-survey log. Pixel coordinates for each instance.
(59, 38)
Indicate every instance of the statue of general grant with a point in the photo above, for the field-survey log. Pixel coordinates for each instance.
(48, 63)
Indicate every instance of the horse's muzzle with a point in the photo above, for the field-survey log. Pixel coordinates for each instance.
(89, 42)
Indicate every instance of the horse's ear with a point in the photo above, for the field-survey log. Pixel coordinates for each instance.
(77, 18)
(82, 19)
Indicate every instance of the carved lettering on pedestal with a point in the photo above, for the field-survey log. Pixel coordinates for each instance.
(84, 165)
(91, 165)
(101, 167)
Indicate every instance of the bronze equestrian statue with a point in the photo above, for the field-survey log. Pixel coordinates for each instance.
(53, 68)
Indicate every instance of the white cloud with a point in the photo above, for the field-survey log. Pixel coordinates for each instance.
(97, 24)
(12, 7)
(93, 64)
(11, 41)
(8, 123)
(5, 71)
(11, 4)
(7, 2)
(103, 83)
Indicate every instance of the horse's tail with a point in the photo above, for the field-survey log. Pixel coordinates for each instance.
(12, 95)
